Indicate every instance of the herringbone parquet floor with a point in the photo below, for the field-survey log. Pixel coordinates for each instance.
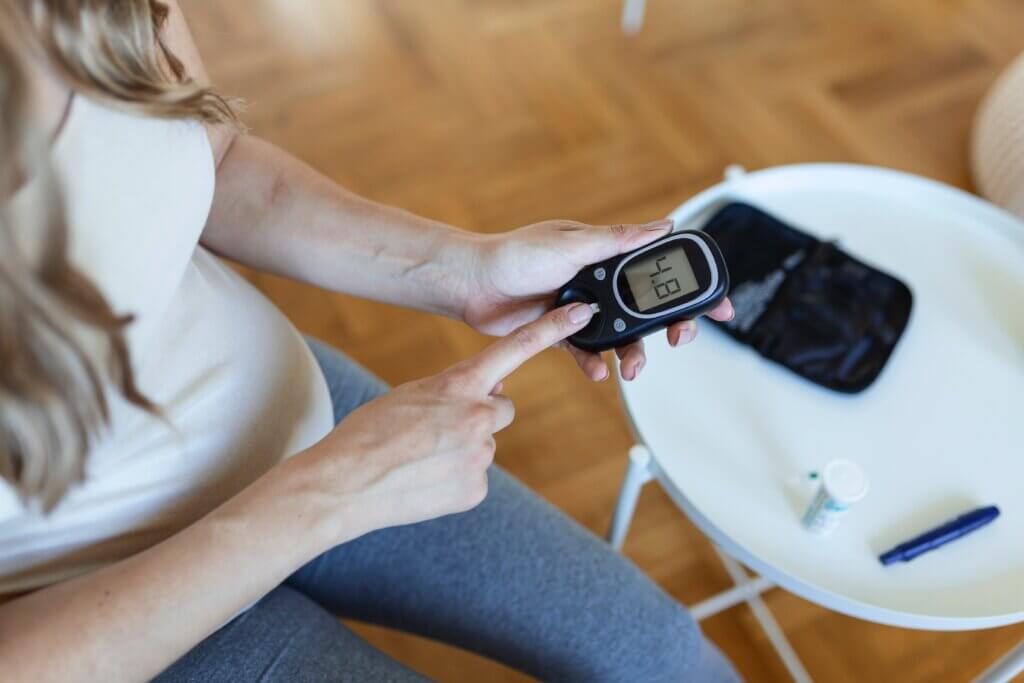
(494, 113)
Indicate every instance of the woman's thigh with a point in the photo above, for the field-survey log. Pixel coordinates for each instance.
(517, 581)
(286, 638)
(514, 579)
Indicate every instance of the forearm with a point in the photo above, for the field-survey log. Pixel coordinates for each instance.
(131, 620)
(277, 214)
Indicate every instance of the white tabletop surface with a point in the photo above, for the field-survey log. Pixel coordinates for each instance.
(939, 433)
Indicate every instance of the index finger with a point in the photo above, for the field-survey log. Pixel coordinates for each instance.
(501, 358)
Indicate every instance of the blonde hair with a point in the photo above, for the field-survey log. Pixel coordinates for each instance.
(61, 344)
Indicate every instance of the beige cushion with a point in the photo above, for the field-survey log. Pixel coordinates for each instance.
(997, 147)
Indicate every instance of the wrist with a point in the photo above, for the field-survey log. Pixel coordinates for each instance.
(295, 504)
(464, 257)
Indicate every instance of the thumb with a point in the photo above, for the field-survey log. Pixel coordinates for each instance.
(612, 240)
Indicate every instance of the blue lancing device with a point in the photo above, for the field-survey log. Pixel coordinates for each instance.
(677, 277)
(941, 535)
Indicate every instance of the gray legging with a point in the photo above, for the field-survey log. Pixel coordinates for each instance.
(514, 580)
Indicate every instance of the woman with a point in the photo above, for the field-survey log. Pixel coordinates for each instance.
(189, 491)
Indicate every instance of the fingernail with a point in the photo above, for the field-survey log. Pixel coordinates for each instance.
(580, 313)
(639, 367)
(688, 332)
(659, 225)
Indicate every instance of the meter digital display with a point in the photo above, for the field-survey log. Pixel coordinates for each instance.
(658, 278)
(678, 277)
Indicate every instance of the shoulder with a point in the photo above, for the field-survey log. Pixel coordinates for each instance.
(178, 38)
(49, 96)
(47, 92)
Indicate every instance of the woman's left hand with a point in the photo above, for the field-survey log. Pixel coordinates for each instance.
(518, 273)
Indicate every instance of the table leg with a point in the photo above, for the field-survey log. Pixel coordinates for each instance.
(633, 15)
(640, 470)
(1006, 668)
(638, 473)
(720, 602)
(764, 616)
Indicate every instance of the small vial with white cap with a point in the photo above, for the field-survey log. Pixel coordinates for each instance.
(843, 483)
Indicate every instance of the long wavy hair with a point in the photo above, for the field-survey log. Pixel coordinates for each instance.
(62, 346)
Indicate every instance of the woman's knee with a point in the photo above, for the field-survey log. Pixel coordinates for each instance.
(666, 646)
(598, 617)
(671, 647)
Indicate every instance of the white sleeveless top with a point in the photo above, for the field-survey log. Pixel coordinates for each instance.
(238, 384)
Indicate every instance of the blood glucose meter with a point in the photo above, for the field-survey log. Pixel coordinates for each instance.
(678, 277)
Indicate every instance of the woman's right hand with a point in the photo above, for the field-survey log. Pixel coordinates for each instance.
(422, 450)
(419, 452)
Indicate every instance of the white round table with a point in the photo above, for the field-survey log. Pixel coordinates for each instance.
(730, 436)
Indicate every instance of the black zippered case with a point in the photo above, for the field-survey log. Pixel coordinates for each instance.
(807, 304)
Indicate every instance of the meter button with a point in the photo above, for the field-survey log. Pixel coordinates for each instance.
(619, 324)
(599, 274)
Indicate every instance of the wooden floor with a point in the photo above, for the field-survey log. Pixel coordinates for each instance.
(494, 113)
